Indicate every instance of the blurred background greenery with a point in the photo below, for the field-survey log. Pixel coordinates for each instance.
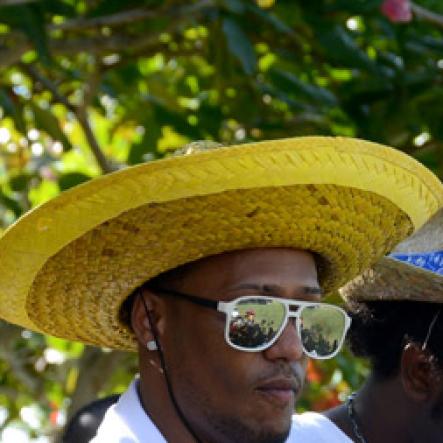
(87, 87)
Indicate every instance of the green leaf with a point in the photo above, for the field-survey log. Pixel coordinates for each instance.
(35, 28)
(429, 159)
(270, 19)
(239, 45)
(210, 118)
(13, 107)
(20, 182)
(292, 85)
(235, 6)
(108, 7)
(342, 49)
(167, 117)
(353, 6)
(426, 42)
(72, 179)
(11, 204)
(46, 121)
(29, 19)
(58, 7)
(295, 105)
(148, 144)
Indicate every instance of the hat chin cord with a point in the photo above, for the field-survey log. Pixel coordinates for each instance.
(177, 408)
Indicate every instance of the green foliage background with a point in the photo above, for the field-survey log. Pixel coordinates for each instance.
(87, 87)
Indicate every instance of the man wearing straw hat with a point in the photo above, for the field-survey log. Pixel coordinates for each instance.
(397, 323)
(167, 258)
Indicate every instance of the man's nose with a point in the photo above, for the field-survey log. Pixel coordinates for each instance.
(288, 346)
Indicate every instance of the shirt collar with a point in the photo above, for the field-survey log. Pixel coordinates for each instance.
(127, 421)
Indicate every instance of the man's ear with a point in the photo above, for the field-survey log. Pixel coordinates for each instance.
(141, 323)
(419, 374)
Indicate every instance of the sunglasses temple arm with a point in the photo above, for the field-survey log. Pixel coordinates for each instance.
(191, 298)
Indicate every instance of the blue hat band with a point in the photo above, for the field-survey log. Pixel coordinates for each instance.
(429, 261)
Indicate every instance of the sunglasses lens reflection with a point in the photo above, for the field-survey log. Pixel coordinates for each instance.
(255, 322)
(322, 328)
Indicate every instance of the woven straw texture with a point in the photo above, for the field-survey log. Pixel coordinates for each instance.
(66, 267)
(392, 279)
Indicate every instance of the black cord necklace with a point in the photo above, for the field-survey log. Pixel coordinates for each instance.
(177, 408)
(353, 418)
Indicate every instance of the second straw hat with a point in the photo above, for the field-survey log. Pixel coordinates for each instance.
(414, 271)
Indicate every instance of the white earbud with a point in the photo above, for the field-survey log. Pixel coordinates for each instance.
(151, 345)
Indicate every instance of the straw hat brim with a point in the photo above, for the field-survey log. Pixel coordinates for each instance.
(67, 266)
(393, 280)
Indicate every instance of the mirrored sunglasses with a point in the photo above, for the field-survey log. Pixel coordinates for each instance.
(255, 322)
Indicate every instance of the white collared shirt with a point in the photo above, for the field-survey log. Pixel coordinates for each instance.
(312, 427)
(127, 422)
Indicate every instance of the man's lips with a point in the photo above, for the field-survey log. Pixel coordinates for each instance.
(279, 391)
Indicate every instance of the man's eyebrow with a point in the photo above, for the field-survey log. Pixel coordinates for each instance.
(275, 289)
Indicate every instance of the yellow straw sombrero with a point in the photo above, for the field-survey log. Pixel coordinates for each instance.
(67, 266)
(414, 271)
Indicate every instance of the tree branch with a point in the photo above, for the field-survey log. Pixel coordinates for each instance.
(95, 368)
(91, 86)
(18, 44)
(16, 2)
(79, 112)
(9, 335)
(13, 45)
(118, 19)
(95, 45)
(101, 45)
(125, 17)
(425, 14)
(45, 82)
(103, 162)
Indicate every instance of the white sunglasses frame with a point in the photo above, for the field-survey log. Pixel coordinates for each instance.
(228, 308)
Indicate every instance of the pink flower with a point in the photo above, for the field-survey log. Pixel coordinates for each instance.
(398, 11)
